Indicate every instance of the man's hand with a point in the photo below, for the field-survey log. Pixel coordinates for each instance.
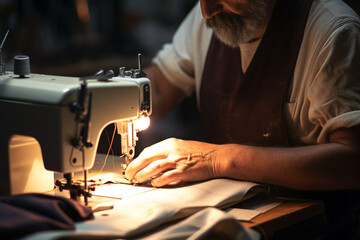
(173, 160)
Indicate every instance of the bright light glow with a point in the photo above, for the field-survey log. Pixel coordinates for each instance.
(142, 123)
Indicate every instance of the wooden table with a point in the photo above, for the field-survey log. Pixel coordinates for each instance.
(289, 213)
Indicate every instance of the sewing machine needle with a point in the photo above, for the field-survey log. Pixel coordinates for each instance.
(127, 160)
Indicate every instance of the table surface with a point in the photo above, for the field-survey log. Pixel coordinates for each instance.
(290, 212)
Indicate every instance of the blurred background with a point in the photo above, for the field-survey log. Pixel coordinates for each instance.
(80, 37)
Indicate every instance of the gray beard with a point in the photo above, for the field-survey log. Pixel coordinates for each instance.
(233, 29)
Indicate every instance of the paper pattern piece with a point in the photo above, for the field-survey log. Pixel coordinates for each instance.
(242, 214)
(249, 209)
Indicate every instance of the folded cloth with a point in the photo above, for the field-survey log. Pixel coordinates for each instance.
(28, 213)
(209, 223)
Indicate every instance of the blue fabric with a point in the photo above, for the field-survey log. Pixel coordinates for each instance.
(28, 213)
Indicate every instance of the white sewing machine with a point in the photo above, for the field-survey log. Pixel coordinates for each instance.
(56, 122)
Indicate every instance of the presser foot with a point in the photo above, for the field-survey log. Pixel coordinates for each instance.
(76, 190)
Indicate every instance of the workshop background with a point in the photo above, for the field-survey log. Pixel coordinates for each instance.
(77, 37)
(80, 37)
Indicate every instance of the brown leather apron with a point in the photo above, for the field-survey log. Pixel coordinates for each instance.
(248, 108)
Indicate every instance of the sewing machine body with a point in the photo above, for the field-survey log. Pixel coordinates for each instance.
(39, 106)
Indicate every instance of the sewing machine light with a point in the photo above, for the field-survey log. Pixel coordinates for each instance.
(142, 123)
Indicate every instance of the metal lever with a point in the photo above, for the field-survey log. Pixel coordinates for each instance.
(100, 76)
(2, 65)
(139, 72)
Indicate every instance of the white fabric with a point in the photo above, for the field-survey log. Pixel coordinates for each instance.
(325, 92)
(209, 223)
(146, 212)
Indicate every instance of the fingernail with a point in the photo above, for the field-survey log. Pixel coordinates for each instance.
(152, 183)
(134, 181)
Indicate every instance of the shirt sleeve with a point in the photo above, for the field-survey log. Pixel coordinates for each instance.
(176, 59)
(334, 94)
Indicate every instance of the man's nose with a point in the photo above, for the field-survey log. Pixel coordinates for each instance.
(210, 8)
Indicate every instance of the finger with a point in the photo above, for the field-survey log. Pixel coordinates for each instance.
(155, 152)
(139, 163)
(160, 148)
(153, 169)
(168, 177)
(188, 172)
(146, 157)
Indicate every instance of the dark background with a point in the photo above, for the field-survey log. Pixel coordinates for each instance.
(79, 37)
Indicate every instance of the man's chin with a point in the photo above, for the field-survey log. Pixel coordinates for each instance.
(228, 42)
(233, 40)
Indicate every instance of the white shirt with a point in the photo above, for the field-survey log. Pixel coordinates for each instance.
(324, 94)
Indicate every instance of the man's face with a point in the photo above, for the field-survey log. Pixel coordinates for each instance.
(236, 21)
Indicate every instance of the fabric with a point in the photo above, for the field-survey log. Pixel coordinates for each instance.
(28, 213)
(139, 214)
(209, 223)
(324, 93)
(249, 106)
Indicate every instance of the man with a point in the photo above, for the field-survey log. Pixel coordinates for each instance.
(278, 87)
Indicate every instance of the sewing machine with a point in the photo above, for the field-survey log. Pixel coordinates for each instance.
(53, 124)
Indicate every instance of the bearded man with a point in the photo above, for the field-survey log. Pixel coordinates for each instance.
(277, 84)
